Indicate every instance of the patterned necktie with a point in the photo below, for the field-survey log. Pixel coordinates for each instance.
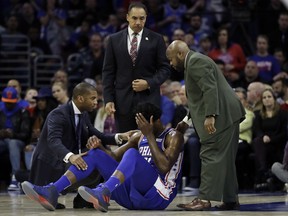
(79, 132)
(133, 49)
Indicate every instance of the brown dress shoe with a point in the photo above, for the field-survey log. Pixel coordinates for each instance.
(228, 206)
(196, 205)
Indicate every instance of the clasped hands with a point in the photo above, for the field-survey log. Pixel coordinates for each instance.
(139, 85)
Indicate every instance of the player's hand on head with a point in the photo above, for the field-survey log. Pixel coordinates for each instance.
(143, 125)
(93, 142)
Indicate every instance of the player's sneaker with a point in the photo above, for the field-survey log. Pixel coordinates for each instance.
(47, 196)
(100, 196)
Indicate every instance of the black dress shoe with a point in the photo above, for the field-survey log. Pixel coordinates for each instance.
(79, 202)
(60, 206)
(228, 206)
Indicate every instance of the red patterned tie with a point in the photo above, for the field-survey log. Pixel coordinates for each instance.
(133, 49)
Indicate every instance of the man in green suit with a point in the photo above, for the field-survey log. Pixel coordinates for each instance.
(216, 113)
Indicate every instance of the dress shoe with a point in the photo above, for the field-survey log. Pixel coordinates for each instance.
(228, 206)
(79, 202)
(196, 205)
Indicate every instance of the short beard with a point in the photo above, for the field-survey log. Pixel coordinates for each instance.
(180, 65)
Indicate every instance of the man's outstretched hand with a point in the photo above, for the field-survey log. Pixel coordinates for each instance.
(182, 127)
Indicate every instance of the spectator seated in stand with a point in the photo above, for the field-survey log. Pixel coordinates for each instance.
(14, 131)
(44, 104)
(269, 139)
(267, 64)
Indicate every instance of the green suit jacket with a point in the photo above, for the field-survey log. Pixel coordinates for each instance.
(209, 93)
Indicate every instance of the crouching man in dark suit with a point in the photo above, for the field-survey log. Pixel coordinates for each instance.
(64, 137)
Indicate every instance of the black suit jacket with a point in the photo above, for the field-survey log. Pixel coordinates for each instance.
(119, 72)
(58, 138)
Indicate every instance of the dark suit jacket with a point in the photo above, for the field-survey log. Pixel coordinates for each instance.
(119, 72)
(58, 138)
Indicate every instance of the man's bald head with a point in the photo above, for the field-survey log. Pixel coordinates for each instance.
(177, 46)
(254, 92)
(176, 53)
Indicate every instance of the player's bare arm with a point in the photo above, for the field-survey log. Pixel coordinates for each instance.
(118, 152)
(173, 143)
(132, 143)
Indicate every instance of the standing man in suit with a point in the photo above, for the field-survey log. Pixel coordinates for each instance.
(135, 65)
(216, 113)
(64, 137)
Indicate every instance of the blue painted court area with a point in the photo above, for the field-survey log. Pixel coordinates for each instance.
(273, 206)
(266, 206)
(263, 202)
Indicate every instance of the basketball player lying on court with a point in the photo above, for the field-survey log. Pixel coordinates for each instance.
(145, 178)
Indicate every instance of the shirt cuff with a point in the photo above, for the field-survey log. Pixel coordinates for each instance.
(118, 139)
(187, 121)
(66, 158)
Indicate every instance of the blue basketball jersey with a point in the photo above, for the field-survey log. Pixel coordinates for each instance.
(166, 185)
